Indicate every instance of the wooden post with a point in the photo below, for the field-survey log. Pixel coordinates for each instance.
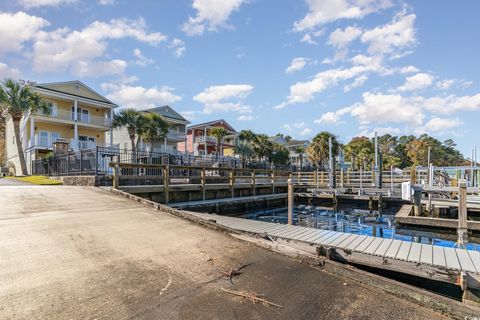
(290, 202)
(413, 176)
(166, 183)
(341, 178)
(417, 201)
(116, 178)
(203, 182)
(273, 181)
(462, 230)
(361, 182)
(232, 183)
(254, 187)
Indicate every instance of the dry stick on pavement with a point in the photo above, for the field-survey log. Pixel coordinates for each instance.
(252, 296)
(233, 272)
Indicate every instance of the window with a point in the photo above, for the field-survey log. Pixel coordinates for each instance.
(83, 115)
(53, 109)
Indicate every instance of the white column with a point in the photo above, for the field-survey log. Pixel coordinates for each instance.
(32, 131)
(185, 137)
(165, 143)
(205, 143)
(75, 125)
(111, 129)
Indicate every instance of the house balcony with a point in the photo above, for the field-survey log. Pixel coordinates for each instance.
(203, 139)
(64, 115)
(46, 143)
(175, 135)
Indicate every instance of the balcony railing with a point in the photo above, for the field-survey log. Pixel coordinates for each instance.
(40, 141)
(176, 135)
(202, 139)
(81, 117)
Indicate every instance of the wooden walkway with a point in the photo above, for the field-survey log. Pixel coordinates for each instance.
(188, 204)
(418, 253)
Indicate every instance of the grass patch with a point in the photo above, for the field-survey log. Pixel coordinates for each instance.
(40, 180)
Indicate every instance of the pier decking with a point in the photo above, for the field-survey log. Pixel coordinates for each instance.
(418, 253)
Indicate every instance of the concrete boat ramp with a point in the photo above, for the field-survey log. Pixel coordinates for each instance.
(84, 253)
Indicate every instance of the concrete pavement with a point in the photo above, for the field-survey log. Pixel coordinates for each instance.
(82, 253)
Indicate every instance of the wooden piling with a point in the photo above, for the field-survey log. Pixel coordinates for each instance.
(462, 213)
(417, 202)
(290, 201)
(166, 183)
(253, 182)
(203, 182)
(232, 183)
(273, 181)
(116, 177)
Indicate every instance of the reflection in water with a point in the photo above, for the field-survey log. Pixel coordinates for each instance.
(358, 221)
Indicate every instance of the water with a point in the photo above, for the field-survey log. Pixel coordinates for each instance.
(357, 221)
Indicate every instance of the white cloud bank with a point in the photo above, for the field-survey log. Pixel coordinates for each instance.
(226, 98)
(139, 97)
(211, 15)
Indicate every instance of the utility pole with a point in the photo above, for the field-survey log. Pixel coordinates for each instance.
(330, 163)
(428, 157)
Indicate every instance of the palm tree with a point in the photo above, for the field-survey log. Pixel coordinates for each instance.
(262, 146)
(245, 151)
(153, 128)
(247, 136)
(317, 151)
(17, 100)
(131, 119)
(219, 133)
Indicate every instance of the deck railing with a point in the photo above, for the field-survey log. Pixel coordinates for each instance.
(192, 177)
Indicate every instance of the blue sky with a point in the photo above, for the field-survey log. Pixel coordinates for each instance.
(297, 67)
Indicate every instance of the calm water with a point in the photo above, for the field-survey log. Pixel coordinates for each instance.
(358, 221)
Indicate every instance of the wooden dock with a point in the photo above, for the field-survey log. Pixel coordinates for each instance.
(190, 204)
(443, 258)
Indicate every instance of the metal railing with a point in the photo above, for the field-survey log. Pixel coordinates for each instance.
(100, 157)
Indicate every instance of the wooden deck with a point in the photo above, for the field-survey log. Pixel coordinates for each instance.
(418, 253)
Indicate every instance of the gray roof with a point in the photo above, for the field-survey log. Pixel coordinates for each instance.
(167, 112)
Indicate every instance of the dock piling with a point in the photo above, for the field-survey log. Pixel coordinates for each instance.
(462, 231)
(290, 201)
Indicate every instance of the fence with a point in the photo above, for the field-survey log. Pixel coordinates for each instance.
(191, 178)
(96, 161)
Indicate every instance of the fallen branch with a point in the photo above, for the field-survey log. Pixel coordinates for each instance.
(252, 296)
(233, 272)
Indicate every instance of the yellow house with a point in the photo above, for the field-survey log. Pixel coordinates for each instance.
(79, 115)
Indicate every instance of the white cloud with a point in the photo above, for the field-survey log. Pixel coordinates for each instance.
(297, 64)
(302, 92)
(189, 114)
(225, 98)
(106, 2)
(245, 117)
(409, 69)
(441, 124)
(211, 15)
(7, 72)
(321, 12)
(392, 38)
(328, 118)
(65, 50)
(17, 28)
(417, 82)
(305, 132)
(387, 108)
(380, 131)
(44, 3)
(358, 82)
(451, 104)
(445, 84)
(139, 97)
(141, 59)
(342, 38)
(178, 47)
